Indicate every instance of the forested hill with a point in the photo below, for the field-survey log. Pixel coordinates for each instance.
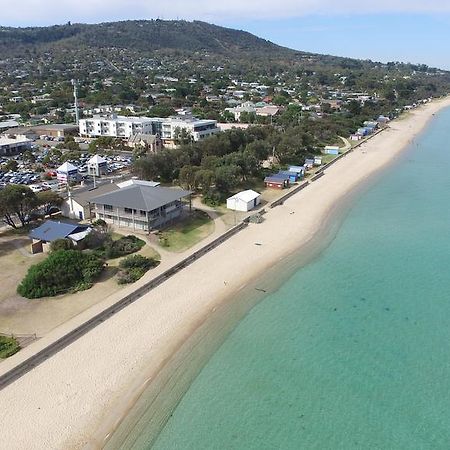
(122, 62)
(148, 35)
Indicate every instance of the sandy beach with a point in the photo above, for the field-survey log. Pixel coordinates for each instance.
(64, 401)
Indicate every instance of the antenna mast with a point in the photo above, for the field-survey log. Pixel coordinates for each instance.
(75, 96)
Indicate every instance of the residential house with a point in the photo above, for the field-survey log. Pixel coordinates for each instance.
(78, 203)
(140, 207)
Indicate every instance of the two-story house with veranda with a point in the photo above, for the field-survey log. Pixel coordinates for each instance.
(141, 206)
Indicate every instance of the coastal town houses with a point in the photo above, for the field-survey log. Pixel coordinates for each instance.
(141, 206)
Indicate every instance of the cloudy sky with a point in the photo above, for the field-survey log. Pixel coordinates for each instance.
(386, 30)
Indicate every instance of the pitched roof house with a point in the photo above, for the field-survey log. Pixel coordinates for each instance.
(140, 206)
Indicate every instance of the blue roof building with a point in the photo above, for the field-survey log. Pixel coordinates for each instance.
(293, 176)
(51, 231)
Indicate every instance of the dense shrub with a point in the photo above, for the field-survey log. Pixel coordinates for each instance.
(96, 239)
(122, 247)
(61, 244)
(134, 267)
(62, 271)
(101, 224)
(8, 346)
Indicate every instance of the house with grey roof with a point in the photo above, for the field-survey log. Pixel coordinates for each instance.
(140, 206)
(78, 203)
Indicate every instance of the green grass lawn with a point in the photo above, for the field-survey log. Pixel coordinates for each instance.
(187, 233)
(8, 346)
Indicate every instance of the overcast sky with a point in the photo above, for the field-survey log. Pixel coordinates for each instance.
(406, 30)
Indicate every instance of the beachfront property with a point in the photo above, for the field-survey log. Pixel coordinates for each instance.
(244, 201)
(78, 203)
(140, 206)
(317, 160)
(51, 231)
(97, 166)
(277, 181)
(66, 173)
(14, 145)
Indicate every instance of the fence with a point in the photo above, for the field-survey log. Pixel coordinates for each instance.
(38, 358)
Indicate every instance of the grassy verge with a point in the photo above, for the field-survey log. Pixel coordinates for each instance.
(8, 346)
(187, 233)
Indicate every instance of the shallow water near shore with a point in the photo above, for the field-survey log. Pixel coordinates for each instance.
(352, 351)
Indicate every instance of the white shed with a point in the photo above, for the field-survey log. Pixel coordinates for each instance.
(244, 201)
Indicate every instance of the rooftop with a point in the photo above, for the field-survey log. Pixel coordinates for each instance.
(4, 140)
(139, 197)
(51, 231)
(245, 196)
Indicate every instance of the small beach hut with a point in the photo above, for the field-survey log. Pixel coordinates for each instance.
(309, 163)
(331, 150)
(293, 176)
(244, 201)
(383, 120)
(299, 170)
(317, 160)
(276, 181)
(363, 131)
(371, 124)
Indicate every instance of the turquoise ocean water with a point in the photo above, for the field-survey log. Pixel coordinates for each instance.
(353, 350)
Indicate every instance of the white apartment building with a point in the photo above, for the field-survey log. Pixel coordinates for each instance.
(167, 129)
(115, 126)
(197, 128)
